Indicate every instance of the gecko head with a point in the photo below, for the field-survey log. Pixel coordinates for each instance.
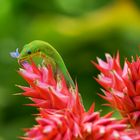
(29, 50)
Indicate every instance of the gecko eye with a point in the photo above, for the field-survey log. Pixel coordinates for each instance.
(29, 52)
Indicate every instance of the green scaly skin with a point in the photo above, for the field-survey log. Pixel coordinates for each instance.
(50, 56)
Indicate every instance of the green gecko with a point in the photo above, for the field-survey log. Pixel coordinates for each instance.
(49, 54)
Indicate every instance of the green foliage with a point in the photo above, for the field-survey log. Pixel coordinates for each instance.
(79, 30)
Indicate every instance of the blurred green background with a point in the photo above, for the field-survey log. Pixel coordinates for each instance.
(80, 30)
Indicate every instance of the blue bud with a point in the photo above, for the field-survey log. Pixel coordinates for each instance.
(14, 54)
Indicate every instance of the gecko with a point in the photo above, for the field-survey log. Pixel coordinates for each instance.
(49, 55)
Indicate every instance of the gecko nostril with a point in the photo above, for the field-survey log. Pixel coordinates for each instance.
(38, 50)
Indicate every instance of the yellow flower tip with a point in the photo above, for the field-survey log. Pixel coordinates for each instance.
(89, 130)
(112, 119)
(102, 131)
(116, 135)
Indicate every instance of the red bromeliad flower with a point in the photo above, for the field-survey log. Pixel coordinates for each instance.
(61, 114)
(122, 86)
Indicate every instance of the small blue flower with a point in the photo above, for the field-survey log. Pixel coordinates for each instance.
(15, 54)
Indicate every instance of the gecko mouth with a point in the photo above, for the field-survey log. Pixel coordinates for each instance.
(30, 57)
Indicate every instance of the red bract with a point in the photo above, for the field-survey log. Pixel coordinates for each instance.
(134, 133)
(61, 114)
(122, 86)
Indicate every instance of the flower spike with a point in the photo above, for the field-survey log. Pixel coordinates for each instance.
(62, 115)
(122, 86)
